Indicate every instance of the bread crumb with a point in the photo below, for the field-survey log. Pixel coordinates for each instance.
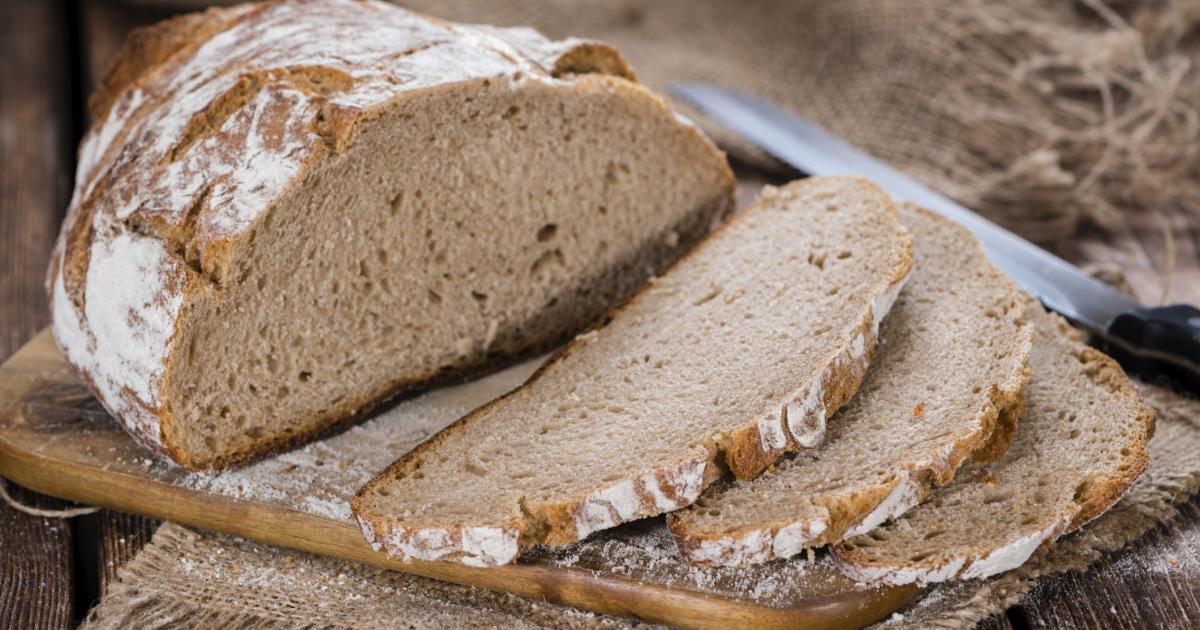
(490, 335)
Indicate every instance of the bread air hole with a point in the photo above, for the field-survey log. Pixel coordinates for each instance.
(546, 232)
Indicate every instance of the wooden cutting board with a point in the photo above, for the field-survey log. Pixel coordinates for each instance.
(55, 438)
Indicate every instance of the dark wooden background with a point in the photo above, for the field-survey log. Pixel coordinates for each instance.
(52, 571)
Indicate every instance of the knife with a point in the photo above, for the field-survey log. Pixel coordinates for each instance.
(1159, 341)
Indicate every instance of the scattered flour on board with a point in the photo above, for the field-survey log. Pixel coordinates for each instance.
(322, 477)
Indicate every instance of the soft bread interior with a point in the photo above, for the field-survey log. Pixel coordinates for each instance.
(462, 225)
(953, 355)
(630, 419)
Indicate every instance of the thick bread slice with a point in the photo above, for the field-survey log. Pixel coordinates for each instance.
(952, 361)
(289, 211)
(1080, 444)
(736, 355)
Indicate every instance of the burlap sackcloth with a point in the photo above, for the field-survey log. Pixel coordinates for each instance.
(1041, 114)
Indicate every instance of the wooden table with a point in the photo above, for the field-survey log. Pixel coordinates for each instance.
(52, 571)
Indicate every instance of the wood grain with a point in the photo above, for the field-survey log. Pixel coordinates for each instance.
(119, 537)
(1153, 583)
(35, 164)
(35, 566)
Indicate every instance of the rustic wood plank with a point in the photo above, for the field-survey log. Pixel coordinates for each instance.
(35, 164)
(1153, 583)
(35, 567)
(121, 536)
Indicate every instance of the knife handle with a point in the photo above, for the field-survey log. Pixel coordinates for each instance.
(1160, 341)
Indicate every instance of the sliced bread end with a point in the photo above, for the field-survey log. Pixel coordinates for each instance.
(1081, 444)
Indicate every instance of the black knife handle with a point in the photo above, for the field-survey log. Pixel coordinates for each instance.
(1161, 341)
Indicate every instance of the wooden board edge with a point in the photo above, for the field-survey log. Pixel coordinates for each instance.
(310, 533)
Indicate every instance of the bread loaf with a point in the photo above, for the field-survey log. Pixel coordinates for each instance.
(286, 212)
(1079, 446)
(736, 355)
(952, 363)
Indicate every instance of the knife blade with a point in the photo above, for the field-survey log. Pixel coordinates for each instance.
(1159, 340)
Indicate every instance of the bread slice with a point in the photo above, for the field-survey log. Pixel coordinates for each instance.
(289, 211)
(1081, 443)
(952, 361)
(736, 355)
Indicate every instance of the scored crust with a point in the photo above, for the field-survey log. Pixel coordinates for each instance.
(842, 512)
(671, 485)
(980, 553)
(158, 212)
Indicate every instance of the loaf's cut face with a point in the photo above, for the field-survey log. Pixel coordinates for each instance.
(953, 359)
(1079, 446)
(289, 211)
(733, 357)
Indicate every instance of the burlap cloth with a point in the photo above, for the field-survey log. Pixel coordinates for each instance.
(1042, 114)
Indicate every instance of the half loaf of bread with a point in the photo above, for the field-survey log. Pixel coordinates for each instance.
(735, 356)
(952, 361)
(1080, 444)
(288, 211)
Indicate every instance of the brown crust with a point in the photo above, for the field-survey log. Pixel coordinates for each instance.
(150, 51)
(144, 50)
(556, 524)
(996, 444)
(147, 47)
(998, 427)
(1095, 495)
(593, 57)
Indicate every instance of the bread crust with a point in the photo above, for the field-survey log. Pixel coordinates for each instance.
(666, 487)
(128, 198)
